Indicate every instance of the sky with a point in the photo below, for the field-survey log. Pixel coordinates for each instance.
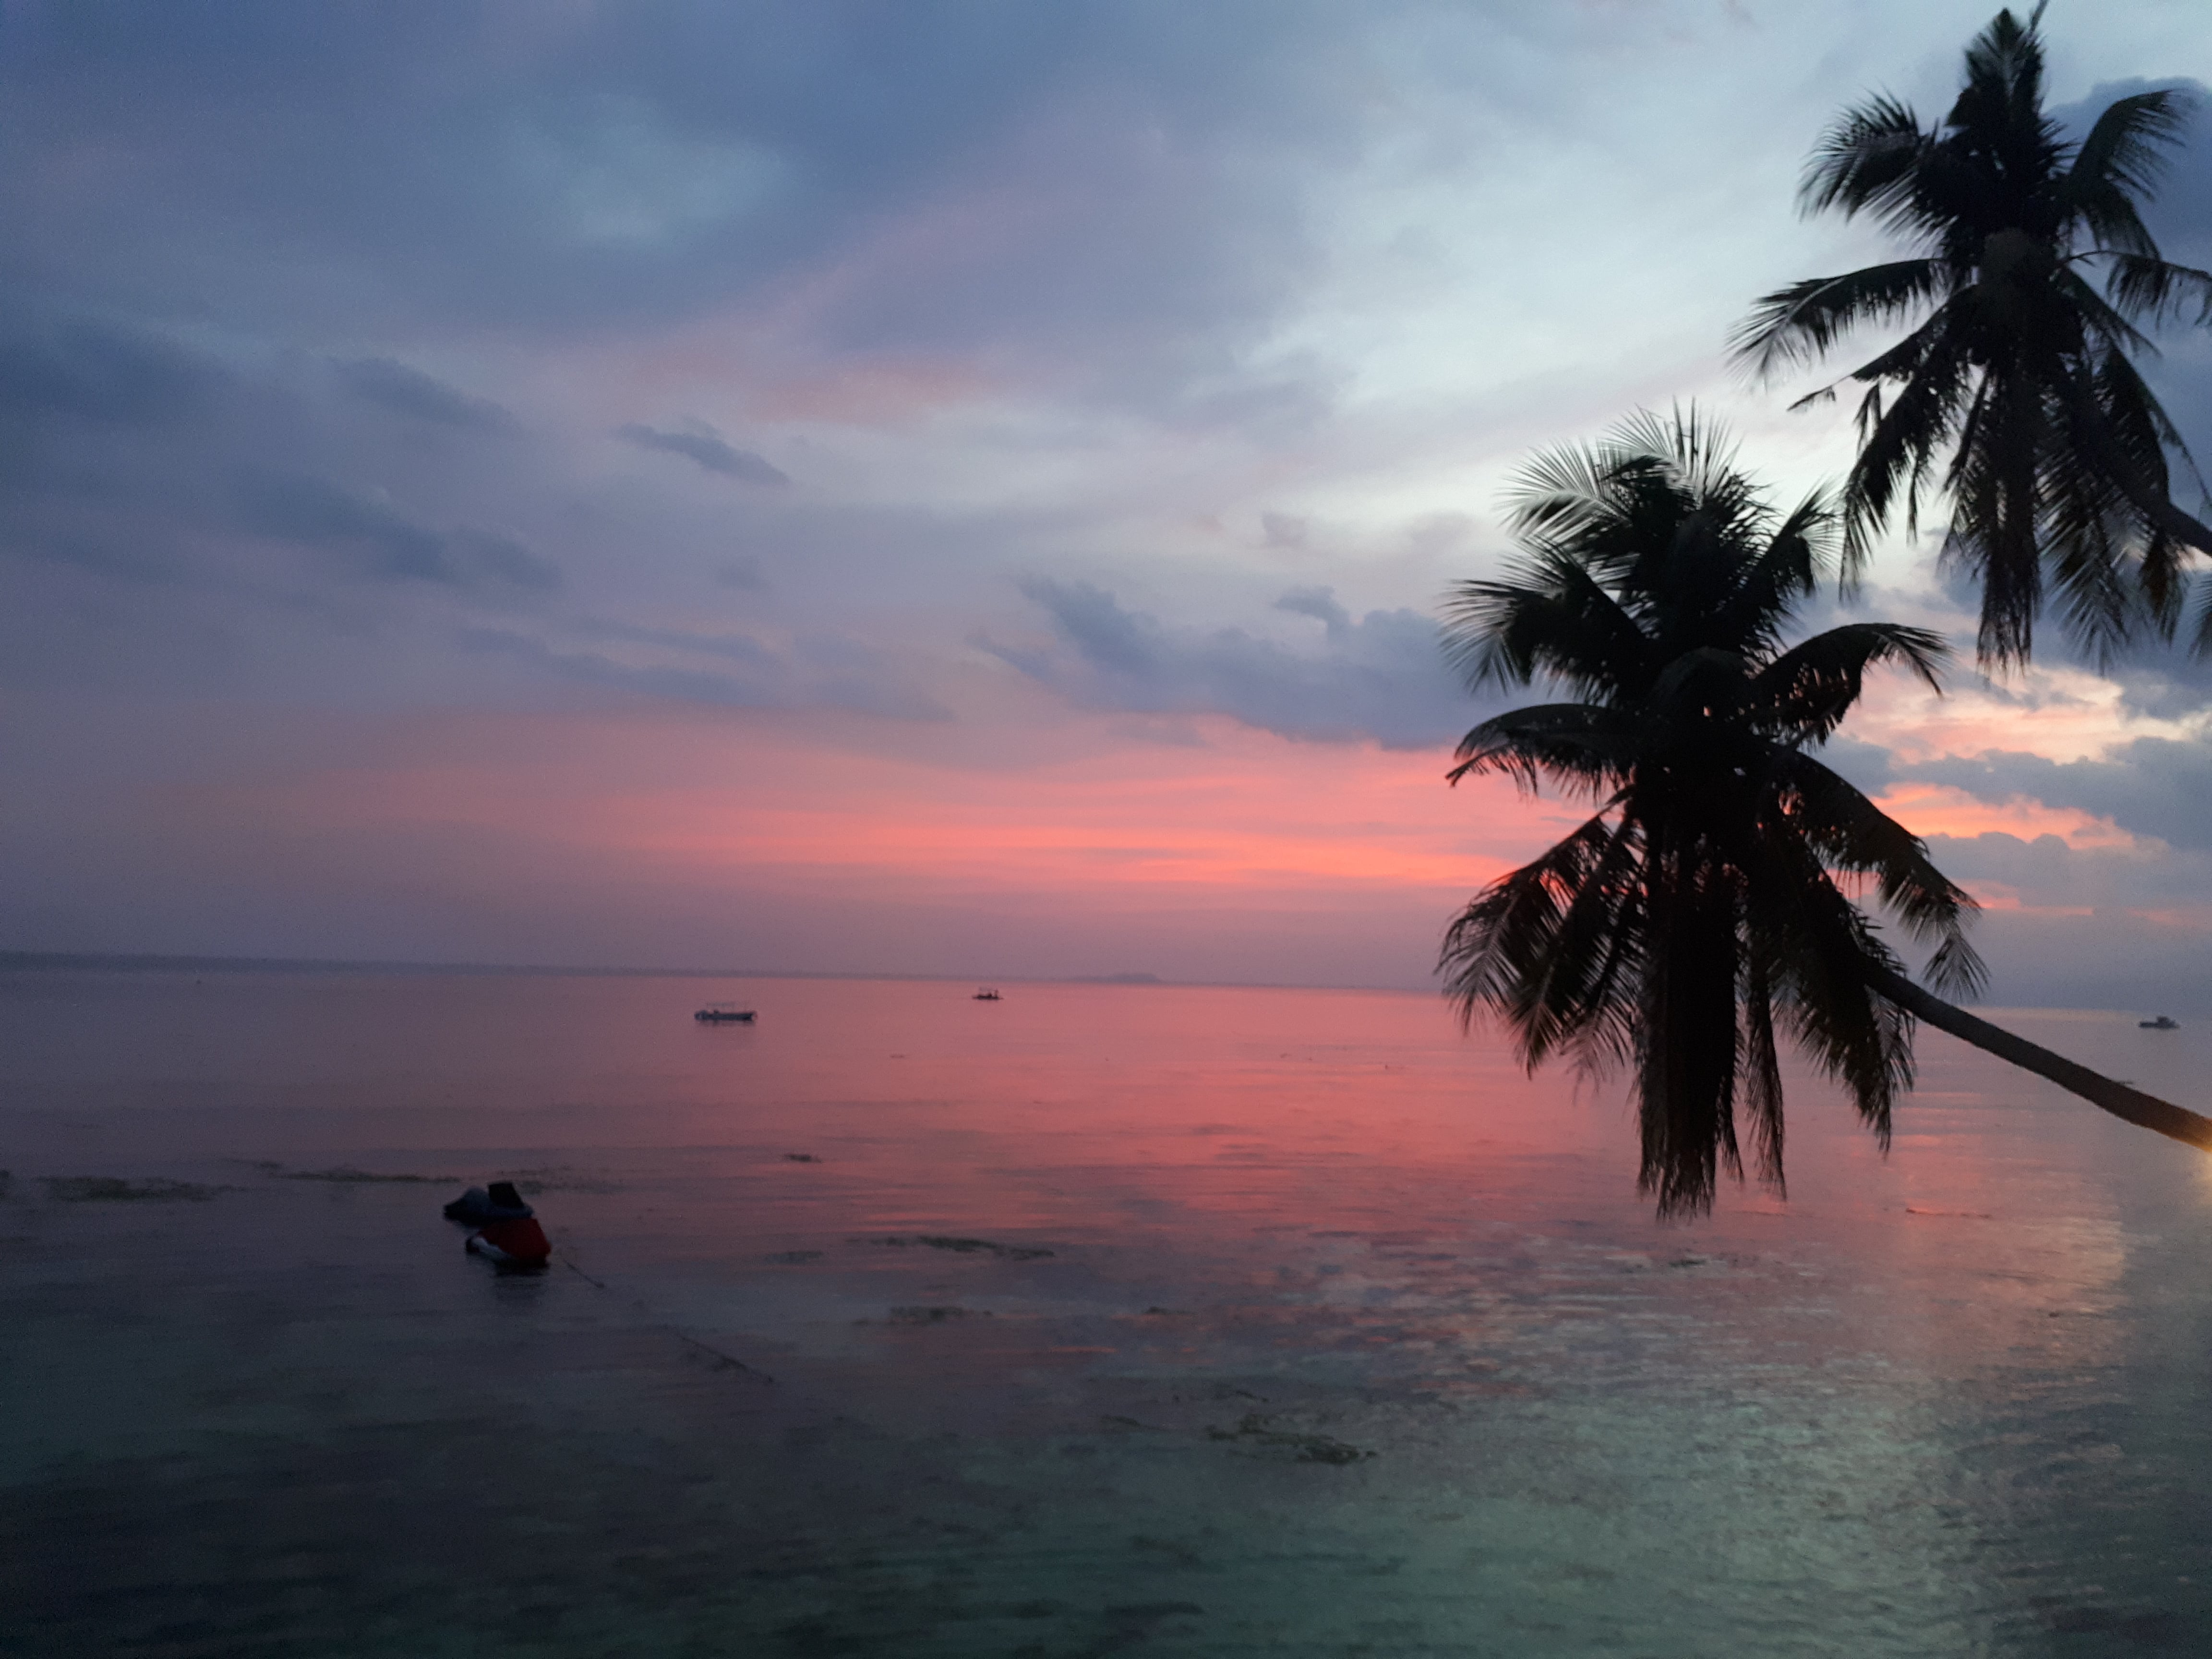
(932, 488)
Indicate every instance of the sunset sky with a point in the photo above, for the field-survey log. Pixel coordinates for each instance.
(930, 488)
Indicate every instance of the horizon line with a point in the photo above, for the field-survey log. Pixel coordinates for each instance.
(151, 962)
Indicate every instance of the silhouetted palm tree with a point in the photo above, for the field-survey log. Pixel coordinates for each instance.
(1707, 904)
(2019, 368)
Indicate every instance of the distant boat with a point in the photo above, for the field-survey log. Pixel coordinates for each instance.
(2161, 1023)
(724, 1013)
(987, 994)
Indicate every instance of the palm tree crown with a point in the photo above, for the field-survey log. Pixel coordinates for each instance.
(2019, 367)
(1706, 903)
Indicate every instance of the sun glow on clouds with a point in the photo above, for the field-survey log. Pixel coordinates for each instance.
(2060, 714)
(1237, 813)
(982, 374)
(1928, 809)
(1164, 836)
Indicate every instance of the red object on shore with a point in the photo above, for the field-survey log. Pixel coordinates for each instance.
(521, 1242)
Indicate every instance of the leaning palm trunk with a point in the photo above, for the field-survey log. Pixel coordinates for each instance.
(2145, 1111)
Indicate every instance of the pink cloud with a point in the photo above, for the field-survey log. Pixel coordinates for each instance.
(1931, 809)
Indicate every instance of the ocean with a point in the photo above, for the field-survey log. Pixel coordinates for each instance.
(1103, 1319)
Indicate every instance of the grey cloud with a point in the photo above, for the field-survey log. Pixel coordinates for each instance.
(2092, 928)
(381, 543)
(1867, 766)
(660, 680)
(1319, 604)
(2151, 786)
(2164, 683)
(1383, 676)
(102, 557)
(1093, 622)
(700, 442)
(736, 648)
(1077, 181)
(2051, 875)
(492, 561)
(743, 573)
(319, 514)
(748, 674)
(96, 373)
(393, 385)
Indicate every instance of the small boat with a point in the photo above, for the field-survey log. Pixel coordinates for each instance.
(724, 1013)
(987, 994)
(2161, 1023)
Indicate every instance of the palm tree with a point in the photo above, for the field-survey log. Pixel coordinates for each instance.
(2018, 368)
(1708, 902)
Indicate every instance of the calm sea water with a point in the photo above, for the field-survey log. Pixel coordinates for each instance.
(1099, 1319)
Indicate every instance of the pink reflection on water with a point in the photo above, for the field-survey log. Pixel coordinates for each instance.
(1318, 1170)
(1302, 1281)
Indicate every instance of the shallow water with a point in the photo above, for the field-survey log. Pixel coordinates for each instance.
(1103, 1319)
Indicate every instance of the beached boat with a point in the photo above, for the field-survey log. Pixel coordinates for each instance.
(987, 994)
(724, 1013)
(2161, 1023)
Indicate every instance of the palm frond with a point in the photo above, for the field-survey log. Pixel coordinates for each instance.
(1802, 322)
(1549, 617)
(1544, 946)
(1865, 162)
(1856, 1038)
(2144, 285)
(1840, 829)
(1901, 436)
(1582, 747)
(1802, 696)
(1770, 584)
(2119, 164)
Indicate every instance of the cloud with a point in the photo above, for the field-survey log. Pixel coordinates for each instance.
(125, 563)
(725, 670)
(1319, 604)
(487, 560)
(393, 385)
(1014, 168)
(1134, 299)
(1381, 677)
(96, 373)
(320, 513)
(700, 442)
(660, 680)
(2152, 785)
(379, 542)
